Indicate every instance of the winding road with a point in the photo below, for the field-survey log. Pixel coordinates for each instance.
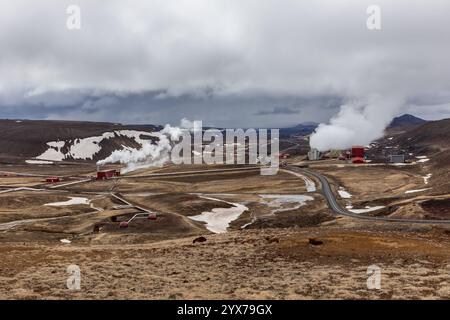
(336, 207)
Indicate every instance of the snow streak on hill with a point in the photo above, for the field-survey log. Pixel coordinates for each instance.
(87, 148)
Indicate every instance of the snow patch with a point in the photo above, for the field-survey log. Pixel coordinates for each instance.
(86, 148)
(366, 209)
(218, 219)
(426, 179)
(244, 226)
(72, 201)
(285, 202)
(51, 155)
(417, 190)
(38, 162)
(343, 193)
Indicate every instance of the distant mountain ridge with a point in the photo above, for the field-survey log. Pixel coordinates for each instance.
(401, 123)
(67, 140)
(301, 129)
(406, 120)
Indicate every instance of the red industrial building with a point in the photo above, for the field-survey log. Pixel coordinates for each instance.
(107, 174)
(357, 160)
(52, 179)
(357, 154)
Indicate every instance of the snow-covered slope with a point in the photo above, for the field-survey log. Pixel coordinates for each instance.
(88, 148)
(22, 140)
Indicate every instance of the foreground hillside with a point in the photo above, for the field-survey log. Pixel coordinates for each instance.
(280, 240)
(253, 264)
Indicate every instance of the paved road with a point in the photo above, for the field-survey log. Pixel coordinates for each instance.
(336, 207)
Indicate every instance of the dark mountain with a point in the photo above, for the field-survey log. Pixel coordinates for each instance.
(301, 129)
(405, 122)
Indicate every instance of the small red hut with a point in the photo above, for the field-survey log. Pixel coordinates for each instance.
(52, 179)
(357, 160)
(108, 174)
(357, 154)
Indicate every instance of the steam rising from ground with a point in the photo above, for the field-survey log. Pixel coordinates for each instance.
(357, 123)
(150, 155)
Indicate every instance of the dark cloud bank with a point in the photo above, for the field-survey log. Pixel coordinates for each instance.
(228, 63)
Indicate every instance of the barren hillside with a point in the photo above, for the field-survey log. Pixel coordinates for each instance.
(25, 139)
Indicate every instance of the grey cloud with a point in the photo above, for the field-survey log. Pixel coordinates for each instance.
(277, 110)
(223, 61)
(223, 111)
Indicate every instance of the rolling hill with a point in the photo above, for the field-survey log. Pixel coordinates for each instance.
(67, 140)
(430, 140)
(406, 120)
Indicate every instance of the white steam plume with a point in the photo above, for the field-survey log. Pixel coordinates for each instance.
(150, 154)
(356, 124)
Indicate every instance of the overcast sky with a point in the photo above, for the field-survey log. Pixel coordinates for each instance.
(230, 63)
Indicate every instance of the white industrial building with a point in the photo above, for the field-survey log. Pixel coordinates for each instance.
(314, 154)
